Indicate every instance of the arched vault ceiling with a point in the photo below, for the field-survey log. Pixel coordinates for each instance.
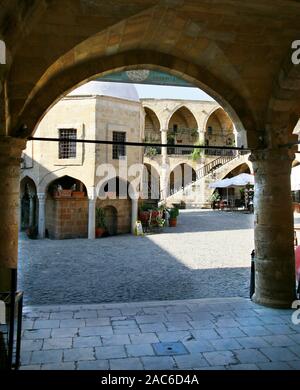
(237, 49)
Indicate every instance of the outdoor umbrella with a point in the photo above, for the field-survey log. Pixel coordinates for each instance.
(220, 183)
(295, 178)
(240, 180)
(236, 181)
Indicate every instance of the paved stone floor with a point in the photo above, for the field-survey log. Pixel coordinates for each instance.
(206, 255)
(223, 333)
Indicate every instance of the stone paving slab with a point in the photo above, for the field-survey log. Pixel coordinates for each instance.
(104, 337)
(155, 267)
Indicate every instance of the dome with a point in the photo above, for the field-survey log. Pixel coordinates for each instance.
(119, 90)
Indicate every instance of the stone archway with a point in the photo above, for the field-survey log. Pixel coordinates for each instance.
(242, 168)
(137, 59)
(28, 199)
(219, 130)
(152, 132)
(66, 209)
(114, 194)
(111, 219)
(180, 176)
(235, 194)
(182, 129)
(152, 126)
(263, 93)
(151, 183)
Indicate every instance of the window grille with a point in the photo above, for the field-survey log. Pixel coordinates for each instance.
(67, 148)
(119, 150)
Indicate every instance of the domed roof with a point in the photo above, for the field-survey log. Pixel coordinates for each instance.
(119, 90)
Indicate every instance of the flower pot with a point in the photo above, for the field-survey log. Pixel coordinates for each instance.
(32, 232)
(99, 232)
(172, 222)
(144, 216)
(77, 194)
(63, 194)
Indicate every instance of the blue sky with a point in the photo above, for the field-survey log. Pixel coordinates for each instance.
(164, 92)
(143, 90)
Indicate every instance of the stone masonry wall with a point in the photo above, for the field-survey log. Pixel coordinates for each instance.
(123, 207)
(66, 218)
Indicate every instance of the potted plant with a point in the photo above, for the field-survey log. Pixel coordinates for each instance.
(150, 151)
(78, 194)
(215, 198)
(144, 215)
(32, 232)
(59, 192)
(100, 222)
(173, 214)
(197, 153)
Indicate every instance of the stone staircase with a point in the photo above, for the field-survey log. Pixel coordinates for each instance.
(197, 193)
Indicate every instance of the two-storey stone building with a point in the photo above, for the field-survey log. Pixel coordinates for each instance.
(61, 180)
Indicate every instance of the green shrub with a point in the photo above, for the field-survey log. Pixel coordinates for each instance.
(174, 212)
(100, 218)
(150, 151)
(146, 207)
(197, 153)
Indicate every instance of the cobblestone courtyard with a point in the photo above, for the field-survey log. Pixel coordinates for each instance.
(207, 255)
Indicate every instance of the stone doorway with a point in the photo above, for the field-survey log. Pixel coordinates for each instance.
(111, 219)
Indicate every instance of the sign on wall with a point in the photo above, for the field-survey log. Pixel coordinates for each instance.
(146, 77)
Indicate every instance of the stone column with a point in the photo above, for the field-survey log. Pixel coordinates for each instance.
(92, 213)
(134, 213)
(273, 229)
(92, 219)
(10, 154)
(31, 210)
(164, 165)
(42, 210)
(20, 214)
(201, 137)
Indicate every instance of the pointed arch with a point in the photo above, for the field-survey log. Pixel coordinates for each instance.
(186, 115)
(219, 128)
(66, 183)
(241, 168)
(151, 182)
(30, 182)
(48, 180)
(182, 129)
(115, 192)
(152, 132)
(180, 176)
(28, 204)
(66, 214)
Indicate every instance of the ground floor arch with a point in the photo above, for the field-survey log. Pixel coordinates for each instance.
(28, 204)
(116, 198)
(233, 197)
(117, 215)
(66, 209)
(180, 176)
(242, 168)
(111, 220)
(151, 183)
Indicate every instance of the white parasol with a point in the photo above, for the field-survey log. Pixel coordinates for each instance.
(237, 181)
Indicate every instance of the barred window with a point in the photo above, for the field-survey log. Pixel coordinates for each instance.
(67, 149)
(119, 150)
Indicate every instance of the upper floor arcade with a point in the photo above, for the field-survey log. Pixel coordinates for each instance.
(187, 122)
